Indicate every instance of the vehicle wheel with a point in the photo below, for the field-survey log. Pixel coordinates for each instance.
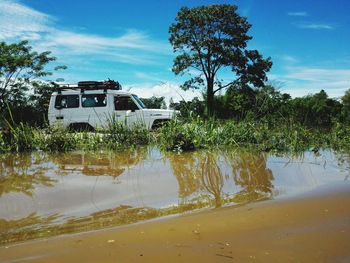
(158, 124)
(80, 126)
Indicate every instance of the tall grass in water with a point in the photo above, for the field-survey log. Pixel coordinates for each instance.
(57, 139)
(340, 137)
(281, 137)
(21, 137)
(178, 135)
(17, 138)
(118, 135)
(188, 135)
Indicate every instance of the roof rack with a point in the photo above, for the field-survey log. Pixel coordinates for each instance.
(89, 85)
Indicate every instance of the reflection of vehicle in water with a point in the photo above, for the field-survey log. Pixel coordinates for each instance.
(92, 104)
(98, 164)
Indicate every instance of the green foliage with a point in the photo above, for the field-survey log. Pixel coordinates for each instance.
(285, 137)
(57, 139)
(154, 102)
(210, 38)
(339, 137)
(189, 135)
(18, 66)
(267, 104)
(315, 110)
(189, 108)
(246, 103)
(181, 135)
(346, 100)
(39, 102)
(18, 138)
(346, 106)
(117, 135)
(21, 71)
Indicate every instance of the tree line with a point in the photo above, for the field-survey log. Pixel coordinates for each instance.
(270, 105)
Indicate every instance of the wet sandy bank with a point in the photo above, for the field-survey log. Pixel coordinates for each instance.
(314, 228)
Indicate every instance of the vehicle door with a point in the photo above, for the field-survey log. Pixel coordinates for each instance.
(126, 110)
(94, 108)
(65, 107)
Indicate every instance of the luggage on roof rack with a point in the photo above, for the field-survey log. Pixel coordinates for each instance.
(91, 85)
(109, 84)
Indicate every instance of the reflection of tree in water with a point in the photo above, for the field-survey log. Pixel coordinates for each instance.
(184, 168)
(99, 164)
(251, 173)
(201, 178)
(197, 171)
(22, 173)
(211, 176)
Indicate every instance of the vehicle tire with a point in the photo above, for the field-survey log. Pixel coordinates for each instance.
(159, 123)
(80, 126)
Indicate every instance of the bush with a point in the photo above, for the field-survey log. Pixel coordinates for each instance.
(57, 139)
(118, 135)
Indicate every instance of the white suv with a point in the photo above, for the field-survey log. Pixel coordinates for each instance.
(91, 104)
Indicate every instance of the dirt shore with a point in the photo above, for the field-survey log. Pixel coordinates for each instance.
(315, 228)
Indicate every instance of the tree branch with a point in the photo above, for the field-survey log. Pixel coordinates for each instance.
(202, 63)
(223, 87)
(227, 85)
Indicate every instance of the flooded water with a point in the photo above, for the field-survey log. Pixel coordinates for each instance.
(50, 194)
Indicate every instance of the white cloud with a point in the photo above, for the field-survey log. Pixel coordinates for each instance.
(132, 39)
(121, 49)
(165, 89)
(318, 74)
(18, 21)
(148, 77)
(316, 26)
(301, 81)
(289, 59)
(299, 13)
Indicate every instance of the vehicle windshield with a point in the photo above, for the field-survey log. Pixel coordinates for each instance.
(139, 101)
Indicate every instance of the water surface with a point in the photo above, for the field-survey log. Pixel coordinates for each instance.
(49, 194)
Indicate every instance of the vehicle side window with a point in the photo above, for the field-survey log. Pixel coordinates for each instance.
(93, 100)
(124, 103)
(67, 101)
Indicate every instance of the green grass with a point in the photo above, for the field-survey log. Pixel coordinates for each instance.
(177, 135)
(282, 137)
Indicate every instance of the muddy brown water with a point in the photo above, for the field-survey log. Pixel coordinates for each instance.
(43, 195)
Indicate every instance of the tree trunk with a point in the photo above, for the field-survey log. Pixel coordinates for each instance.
(210, 97)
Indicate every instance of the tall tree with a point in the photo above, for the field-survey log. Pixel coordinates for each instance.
(19, 67)
(212, 38)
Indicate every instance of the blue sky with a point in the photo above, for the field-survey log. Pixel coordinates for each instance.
(308, 40)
